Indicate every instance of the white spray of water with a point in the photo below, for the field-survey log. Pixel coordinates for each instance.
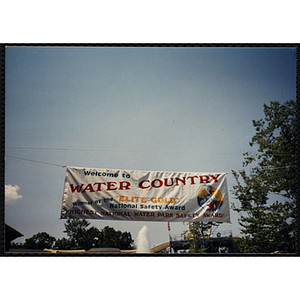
(143, 245)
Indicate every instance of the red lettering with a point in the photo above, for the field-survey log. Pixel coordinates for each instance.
(76, 188)
(204, 180)
(89, 188)
(111, 186)
(166, 182)
(141, 185)
(215, 178)
(181, 180)
(156, 180)
(99, 186)
(192, 179)
(124, 185)
(168, 215)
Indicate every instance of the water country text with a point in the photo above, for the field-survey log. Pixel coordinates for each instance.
(143, 185)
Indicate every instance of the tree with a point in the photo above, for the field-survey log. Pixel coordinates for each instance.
(39, 241)
(82, 237)
(200, 233)
(269, 226)
(62, 244)
(115, 239)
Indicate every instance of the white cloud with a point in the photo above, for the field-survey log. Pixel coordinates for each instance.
(11, 194)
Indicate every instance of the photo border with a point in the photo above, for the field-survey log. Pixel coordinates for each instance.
(140, 45)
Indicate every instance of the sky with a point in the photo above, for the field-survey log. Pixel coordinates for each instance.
(152, 108)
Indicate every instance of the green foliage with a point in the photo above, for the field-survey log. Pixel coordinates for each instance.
(39, 241)
(16, 245)
(269, 227)
(109, 237)
(63, 244)
(200, 232)
(82, 237)
(240, 244)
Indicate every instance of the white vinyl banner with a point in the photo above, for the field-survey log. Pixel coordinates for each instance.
(108, 194)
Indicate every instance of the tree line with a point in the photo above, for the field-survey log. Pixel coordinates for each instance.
(80, 236)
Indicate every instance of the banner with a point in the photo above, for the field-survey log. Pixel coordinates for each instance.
(108, 194)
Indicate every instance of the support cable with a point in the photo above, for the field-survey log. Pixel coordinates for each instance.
(43, 162)
(37, 161)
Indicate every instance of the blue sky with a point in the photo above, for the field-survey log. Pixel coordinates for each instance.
(197, 103)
